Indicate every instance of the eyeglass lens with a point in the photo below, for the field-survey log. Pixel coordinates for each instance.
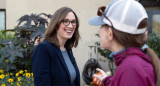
(67, 22)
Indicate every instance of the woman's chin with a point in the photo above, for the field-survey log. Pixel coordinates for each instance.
(102, 46)
(69, 37)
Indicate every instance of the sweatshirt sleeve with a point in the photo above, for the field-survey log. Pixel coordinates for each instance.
(128, 75)
(106, 81)
(41, 66)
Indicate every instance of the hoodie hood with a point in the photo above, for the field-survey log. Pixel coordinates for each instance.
(129, 52)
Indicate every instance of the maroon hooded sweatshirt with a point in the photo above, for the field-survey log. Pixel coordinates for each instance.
(134, 68)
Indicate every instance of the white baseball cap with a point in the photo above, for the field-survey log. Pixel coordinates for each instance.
(123, 15)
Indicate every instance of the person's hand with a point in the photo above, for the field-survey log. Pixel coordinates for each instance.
(101, 76)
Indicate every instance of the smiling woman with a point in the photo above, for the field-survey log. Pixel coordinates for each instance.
(53, 62)
(66, 29)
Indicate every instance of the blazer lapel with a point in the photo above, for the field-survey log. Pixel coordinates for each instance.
(74, 64)
(58, 51)
(71, 56)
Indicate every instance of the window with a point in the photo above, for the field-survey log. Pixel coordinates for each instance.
(154, 21)
(2, 19)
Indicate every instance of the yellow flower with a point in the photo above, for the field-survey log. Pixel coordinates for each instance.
(10, 80)
(3, 84)
(28, 75)
(19, 78)
(32, 79)
(25, 70)
(10, 73)
(24, 74)
(1, 71)
(18, 84)
(6, 61)
(21, 72)
(32, 74)
(11, 83)
(2, 76)
(17, 74)
(7, 74)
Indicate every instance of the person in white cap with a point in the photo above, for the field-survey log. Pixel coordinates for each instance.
(123, 31)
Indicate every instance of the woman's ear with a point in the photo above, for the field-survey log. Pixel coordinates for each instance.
(146, 36)
(110, 34)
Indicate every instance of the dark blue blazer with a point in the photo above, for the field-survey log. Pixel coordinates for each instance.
(49, 67)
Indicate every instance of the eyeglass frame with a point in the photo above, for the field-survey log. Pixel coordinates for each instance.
(69, 22)
(100, 10)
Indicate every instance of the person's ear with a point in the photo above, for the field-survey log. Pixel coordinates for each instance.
(110, 34)
(146, 36)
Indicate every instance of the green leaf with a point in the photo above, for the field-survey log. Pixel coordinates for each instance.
(20, 54)
(40, 31)
(23, 18)
(13, 67)
(11, 59)
(154, 43)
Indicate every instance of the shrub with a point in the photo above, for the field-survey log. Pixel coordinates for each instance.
(17, 51)
(154, 43)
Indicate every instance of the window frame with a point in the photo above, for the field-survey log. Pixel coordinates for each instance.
(4, 10)
(150, 18)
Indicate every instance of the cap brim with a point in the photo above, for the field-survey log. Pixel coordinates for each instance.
(96, 21)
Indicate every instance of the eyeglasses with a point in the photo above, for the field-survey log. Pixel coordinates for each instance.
(100, 12)
(66, 22)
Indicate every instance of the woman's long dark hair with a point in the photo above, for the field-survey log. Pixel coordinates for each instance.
(51, 32)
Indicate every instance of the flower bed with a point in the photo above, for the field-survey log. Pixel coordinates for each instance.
(20, 78)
